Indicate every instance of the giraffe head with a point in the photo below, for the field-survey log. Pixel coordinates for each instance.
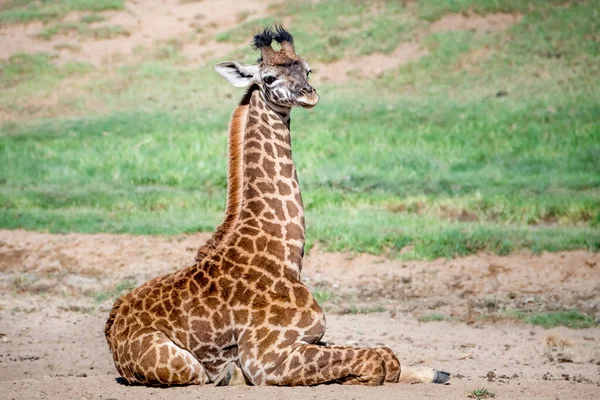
(281, 75)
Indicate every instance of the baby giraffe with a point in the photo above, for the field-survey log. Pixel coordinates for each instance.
(240, 314)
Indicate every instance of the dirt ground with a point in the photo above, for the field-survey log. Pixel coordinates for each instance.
(57, 290)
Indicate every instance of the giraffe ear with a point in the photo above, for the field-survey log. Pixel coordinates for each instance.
(237, 74)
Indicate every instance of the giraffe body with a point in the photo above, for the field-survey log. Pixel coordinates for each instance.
(241, 313)
(233, 305)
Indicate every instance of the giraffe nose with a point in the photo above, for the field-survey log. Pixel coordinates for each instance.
(308, 97)
(305, 91)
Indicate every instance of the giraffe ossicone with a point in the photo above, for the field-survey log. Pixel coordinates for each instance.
(240, 314)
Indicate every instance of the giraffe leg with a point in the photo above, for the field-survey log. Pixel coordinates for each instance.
(307, 364)
(156, 361)
(409, 374)
(395, 373)
(392, 365)
(232, 375)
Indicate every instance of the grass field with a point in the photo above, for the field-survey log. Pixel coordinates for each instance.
(441, 157)
(14, 11)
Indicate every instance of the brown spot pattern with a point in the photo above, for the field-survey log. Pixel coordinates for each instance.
(242, 302)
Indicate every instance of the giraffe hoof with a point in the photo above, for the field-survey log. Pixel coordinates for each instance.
(122, 381)
(441, 376)
(232, 375)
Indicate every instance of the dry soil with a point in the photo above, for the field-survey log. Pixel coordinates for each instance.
(57, 291)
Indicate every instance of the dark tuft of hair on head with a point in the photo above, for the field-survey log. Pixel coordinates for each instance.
(263, 39)
(281, 35)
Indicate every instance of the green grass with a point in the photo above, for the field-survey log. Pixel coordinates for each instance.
(570, 319)
(27, 79)
(20, 67)
(17, 11)
(355, 310)
(426, 161)
(481, 393)
(83, 29)
(120, 288)
(92, 18)
(323, 296)
(432, 10)
(431, 317)
(328, 30)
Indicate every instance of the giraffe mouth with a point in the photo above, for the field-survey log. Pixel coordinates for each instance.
(308, 101)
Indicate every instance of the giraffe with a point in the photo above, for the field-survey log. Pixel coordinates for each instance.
(240, 314)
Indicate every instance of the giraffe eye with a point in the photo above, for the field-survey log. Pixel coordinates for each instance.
(269, 79)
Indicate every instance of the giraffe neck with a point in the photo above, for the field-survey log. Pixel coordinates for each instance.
(282, 112)
(237, 126)
(271, 220)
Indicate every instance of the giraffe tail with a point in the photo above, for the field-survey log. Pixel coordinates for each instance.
(111, 318)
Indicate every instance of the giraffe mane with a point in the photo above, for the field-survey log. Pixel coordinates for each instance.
(237, 128)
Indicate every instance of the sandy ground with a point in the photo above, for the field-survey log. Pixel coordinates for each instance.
(56, 291)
